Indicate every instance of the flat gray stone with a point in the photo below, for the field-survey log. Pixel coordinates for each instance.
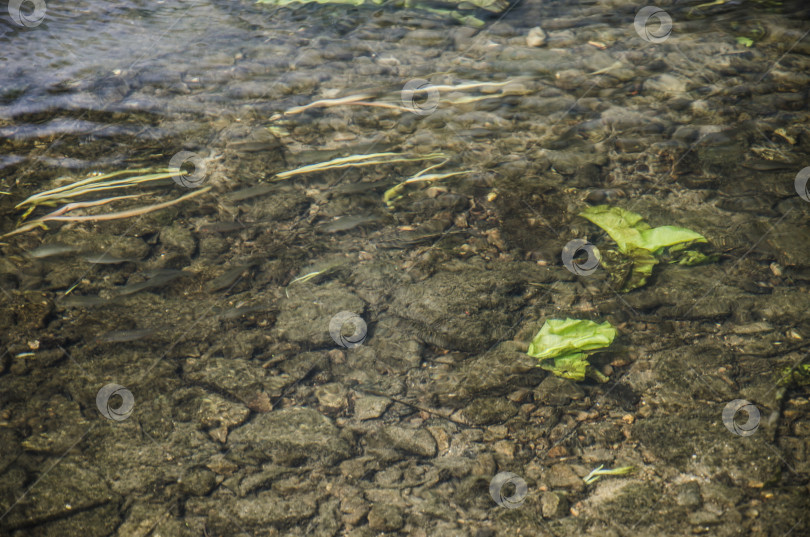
(289, 435)
(417, 441)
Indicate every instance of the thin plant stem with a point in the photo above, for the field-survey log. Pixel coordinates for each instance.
(49, 194)
(355, 160)
(58, 216)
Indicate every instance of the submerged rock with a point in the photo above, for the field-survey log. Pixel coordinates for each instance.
(385, 518)
(489, 410)
(470, 309)
(414, 441)
(289, 436)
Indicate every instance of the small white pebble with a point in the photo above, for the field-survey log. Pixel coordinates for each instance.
(537, 37)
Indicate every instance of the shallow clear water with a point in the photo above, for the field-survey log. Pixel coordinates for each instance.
(334, 353)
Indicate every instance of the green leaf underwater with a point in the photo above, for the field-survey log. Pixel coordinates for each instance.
(641, 247)
(560, 347)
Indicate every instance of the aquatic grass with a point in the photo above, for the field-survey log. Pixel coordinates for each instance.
(324, 103)
(59, 215)
(396, 191)
(302, 279)
(129, 178)
(599, 472)
(458, 9)
(460, 87)
(356, 160)
(494, 6)
(95, 183)
(366, 99)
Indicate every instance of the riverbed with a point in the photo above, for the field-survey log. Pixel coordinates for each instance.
(338, 352)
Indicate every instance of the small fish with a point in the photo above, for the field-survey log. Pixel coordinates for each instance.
(249, 146)
(478, 133)
(220, 227)
(345, 223)
(122, 336)
(107, 259)
(763, 165)
(228, 278)
(358, 188)
(51, 250)
(87, 301)
(252, 192)
(158, 278)
(235, 313)
(313, 155)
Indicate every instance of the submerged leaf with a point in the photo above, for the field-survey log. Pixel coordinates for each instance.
(559, 345)
(623, 226)
(656, 239)
(693, 257)
(796, 376)
(642, 245)
(570, 366)
(641, 268)
(559, 337)
(629, 230)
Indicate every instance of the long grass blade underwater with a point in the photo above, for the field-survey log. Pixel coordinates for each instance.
(99, 183)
